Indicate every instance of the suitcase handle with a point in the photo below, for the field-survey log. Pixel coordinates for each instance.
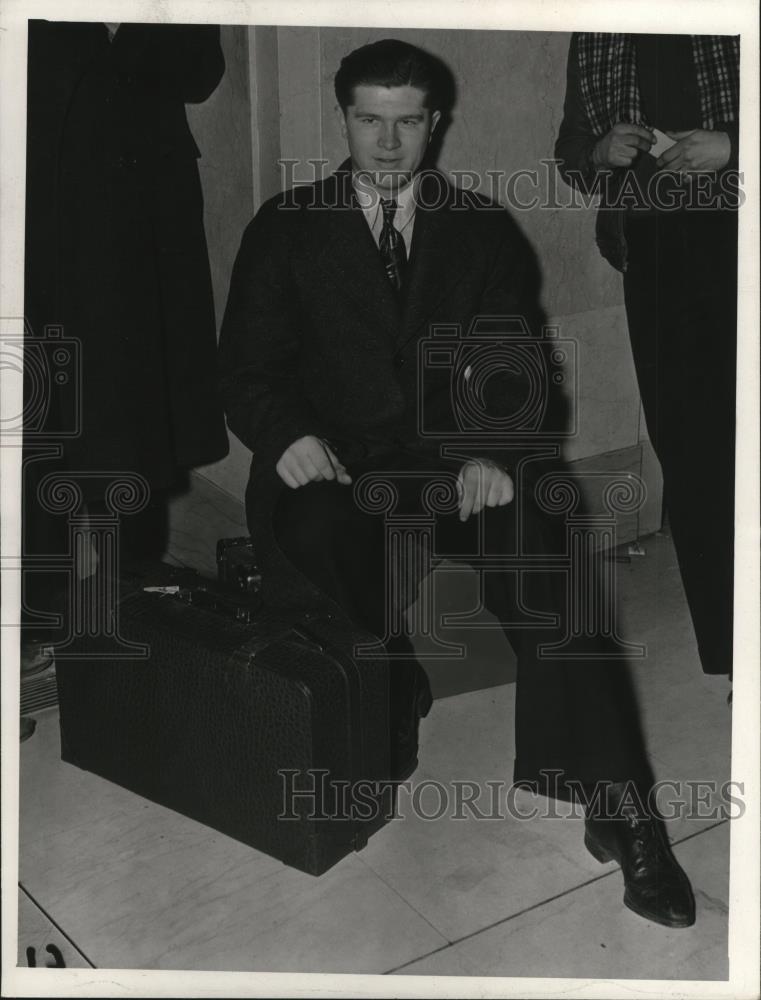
(223, 604)
(302, 630)
(307, 634)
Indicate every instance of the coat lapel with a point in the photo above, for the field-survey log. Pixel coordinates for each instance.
(349, 254)
(440, 256)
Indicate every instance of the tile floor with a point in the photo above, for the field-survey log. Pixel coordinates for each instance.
(114, 881)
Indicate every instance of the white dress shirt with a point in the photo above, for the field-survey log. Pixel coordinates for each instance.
(404, 218)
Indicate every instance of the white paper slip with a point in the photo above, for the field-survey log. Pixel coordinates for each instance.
(661, 144)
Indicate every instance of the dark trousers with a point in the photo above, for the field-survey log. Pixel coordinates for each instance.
(578, 716)
(680, 290)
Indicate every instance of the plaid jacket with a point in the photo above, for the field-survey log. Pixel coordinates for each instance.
(602, 89)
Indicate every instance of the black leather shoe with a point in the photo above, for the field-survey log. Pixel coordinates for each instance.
(656, 888)
(404, 743)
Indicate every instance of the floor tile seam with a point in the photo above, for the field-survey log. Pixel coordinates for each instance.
(528, 909)
(504, 920)
(48, 916)
(409, 904)
(537, 905)
(660, 754)
(449, 942)
(698, 833)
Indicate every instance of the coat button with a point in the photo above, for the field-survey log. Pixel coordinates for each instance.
(398, 362)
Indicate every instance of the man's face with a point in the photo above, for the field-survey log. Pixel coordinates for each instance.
(388, 130)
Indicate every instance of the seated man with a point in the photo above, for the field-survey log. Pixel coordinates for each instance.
(334, 286)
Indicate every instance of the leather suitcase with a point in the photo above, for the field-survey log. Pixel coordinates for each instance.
(227, 717)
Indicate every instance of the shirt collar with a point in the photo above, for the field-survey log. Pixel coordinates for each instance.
(369, 200)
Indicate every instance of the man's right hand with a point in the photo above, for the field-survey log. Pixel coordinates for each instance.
(620, 146)
(310, 460)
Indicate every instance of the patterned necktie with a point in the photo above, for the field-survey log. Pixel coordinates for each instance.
(391, 245)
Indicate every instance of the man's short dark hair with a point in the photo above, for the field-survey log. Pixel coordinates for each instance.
(392, 63)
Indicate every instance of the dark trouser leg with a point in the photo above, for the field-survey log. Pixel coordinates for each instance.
(680, 301)
(576, 722)
(576, 717)
(341, 549)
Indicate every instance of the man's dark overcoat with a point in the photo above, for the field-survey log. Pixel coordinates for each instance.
(315, 341)
(115, 245)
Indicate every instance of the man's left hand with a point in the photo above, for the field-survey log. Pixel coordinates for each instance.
(696, 150)
(482, 483)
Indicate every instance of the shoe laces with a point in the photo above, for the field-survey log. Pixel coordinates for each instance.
(647, 843)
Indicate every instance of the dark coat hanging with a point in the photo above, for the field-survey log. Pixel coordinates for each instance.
(115, 246)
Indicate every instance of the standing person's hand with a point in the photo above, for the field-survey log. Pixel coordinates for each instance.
(621, 145)
(482, 483)
(310, 460)
(696, 150)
